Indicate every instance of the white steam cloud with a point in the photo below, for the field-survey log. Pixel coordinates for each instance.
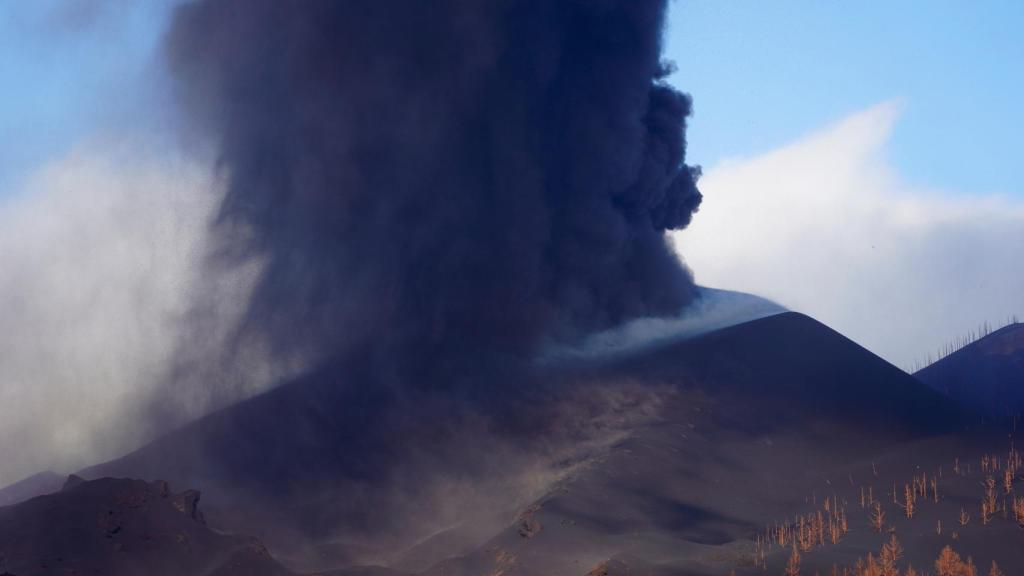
(827, 227)
(714, 310)
(99, 255)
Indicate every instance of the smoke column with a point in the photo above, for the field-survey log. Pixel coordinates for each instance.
(437, 184)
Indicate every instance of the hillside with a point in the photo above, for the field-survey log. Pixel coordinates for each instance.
(34, 485)
(986, 375)
(650, 455)
(761, 421)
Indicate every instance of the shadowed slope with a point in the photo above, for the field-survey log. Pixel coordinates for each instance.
(986, 375)
(789, 370)
(35, 485)
(337, 467)
(341, 474)
(760, 417)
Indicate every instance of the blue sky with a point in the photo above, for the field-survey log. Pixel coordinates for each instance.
(761, 73)
(70, 71)
(764, 73)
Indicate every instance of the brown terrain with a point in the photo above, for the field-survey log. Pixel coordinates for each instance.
(987, 374)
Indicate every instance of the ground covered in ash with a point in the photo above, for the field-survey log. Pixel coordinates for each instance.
(703, 456)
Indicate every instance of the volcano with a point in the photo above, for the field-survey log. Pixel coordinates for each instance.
(671, 458)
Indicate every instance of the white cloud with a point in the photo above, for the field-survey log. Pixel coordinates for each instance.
(99, 258)
(827, 227)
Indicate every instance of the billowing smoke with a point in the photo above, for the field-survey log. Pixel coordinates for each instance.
(436, 183)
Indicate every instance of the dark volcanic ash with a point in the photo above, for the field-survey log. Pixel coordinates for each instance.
(442, 183)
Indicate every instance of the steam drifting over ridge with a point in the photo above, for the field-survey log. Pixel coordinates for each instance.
(437, 183)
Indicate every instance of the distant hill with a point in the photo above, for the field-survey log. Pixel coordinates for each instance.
(764, 419)
(665, 443)
(35, 485)
(986, 375)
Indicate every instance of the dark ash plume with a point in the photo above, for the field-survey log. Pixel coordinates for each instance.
(445, 182)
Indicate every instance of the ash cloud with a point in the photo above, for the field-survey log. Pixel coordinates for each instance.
(100, 251)
(431, 185)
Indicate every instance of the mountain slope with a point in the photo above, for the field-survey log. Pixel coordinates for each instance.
(789, 370)
(756, 420)
(987, 375)
(664, 443)
(35, 485)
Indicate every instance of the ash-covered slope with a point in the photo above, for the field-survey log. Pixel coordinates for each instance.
(113, 527)
(791, 370)
(987, 375)
(665, 443)
(339, 468)
(756, 419)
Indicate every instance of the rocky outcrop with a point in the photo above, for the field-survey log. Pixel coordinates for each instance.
(124, 527)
